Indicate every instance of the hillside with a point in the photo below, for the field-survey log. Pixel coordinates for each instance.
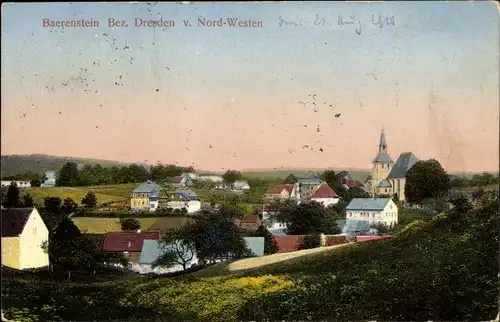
(448, 265)
(39, 163)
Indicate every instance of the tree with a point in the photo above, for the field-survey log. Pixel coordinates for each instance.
(90, 200)
(130, 224)
(290, 179)
(231, 176)
(215, 236)
(69, 176)
(478, 194)
(36, 182)
(381, 228)
(270, 245)
(176, 248)
(52, 204)
(310, 241)
(13, 198)
(426, 179)
(69, 205)
(28, 200)
(460, 203)
(334, 181)
(307, 218)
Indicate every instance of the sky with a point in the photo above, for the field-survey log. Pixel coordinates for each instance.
(310, 87)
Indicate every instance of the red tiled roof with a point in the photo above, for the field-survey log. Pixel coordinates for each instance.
(278, 189)
(125, 241)
(177, 179)
(248, 222)
(324, 191)
(14, 220)
(288, 243)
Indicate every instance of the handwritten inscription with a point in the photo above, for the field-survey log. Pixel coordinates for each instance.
(358, 25)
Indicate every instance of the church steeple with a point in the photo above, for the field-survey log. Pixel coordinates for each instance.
(382, 146)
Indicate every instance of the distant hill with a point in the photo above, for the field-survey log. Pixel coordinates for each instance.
(39, 163)
(356, 174)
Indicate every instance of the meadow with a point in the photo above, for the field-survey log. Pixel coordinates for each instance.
(445, 264)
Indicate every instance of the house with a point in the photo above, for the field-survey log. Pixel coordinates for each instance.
(189, 176)
(23, 234)
(373, 210)
(389, 178)
(305, 187)
(152, 249)
(353, 227)
(145, 197)
(50, 180)
(221, 186)
(249, 223)
(325, 195)
(269, 211)
(18, 183)
(241, 185)
(187, 199)
(281, 192)
(178, 181)
(128, 243)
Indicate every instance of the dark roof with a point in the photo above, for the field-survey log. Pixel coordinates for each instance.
(288, 243)
(14, 220)
(165, 224)
(124, 241)
(368, 204)
(384, 184)
(383, 157)
(403, 164)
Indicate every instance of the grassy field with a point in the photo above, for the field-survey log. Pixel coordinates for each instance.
(93, 225)
(445, 264)
(108, 194)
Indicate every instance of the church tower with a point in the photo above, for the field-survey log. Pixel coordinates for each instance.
(382, 164)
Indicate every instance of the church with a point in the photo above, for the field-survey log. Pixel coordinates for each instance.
(387, 177)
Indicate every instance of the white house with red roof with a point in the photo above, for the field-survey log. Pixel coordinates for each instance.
(325, 195)
(281, 192)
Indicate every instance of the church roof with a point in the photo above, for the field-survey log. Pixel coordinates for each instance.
(383, 157)
(405, 161)
(384, 184)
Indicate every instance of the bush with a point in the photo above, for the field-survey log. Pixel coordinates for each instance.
(310, 241)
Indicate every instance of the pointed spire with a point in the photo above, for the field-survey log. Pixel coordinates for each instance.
(382, 147)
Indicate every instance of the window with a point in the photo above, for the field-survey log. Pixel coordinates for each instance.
(34, 230)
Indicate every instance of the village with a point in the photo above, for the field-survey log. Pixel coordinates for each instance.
(371, 212)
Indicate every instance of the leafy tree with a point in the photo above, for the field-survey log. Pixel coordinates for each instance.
(354, 193)
(478, 194)
(307, 218)
(381, 228)
(130, 224)
(36, 182)
(290, 179)
(90, 200)
(334, 181)
(177, 247)
(426, 179)
(52, 204)
(231, 176)
(215, 236)
(69, 176)
(28, 201)
(69, 205)
(460, 202)
(13, 198)
(270, 245)
(310, 241)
